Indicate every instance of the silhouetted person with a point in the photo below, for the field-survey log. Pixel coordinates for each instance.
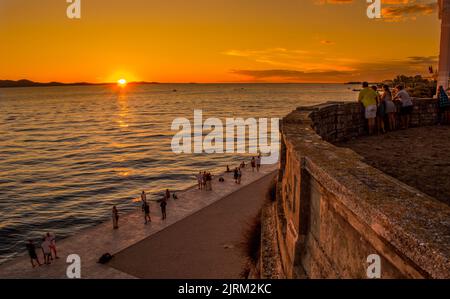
(199, 177)
(163, 204)
(115, 217)
(146, 209)
(143, 196)
(167, 194)
(32, 253)
(253, 163)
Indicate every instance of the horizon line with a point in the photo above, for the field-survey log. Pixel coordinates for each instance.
(162, 82)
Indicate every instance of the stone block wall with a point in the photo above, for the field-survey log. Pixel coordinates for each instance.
(333, 210)
(340, 121)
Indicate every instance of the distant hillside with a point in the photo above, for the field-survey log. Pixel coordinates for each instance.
(28, 83)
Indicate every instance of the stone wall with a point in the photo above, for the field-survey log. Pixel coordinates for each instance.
(333, 210)
(340, 121)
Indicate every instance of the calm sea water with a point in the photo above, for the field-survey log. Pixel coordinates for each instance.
(67, 154)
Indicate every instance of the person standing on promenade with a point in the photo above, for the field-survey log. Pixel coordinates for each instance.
(407, 106)
(163, 204)
(235, 175)
(204, 178)
(115, 217)
(45, 246)
(389, 105)
(199, 177)
(381, 112)
(239, 176)
(32, 253)
(443, 106)
(143, 197)
(258, 162)
(52, 239)
(146, 209)
(167, 194)
(253, 163)
(368, 97)
(208, 181)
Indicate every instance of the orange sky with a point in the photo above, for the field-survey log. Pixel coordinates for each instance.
(216, 40)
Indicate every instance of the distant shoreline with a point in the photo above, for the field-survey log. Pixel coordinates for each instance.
(29, 83)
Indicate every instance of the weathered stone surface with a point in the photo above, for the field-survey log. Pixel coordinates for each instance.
(333, 210)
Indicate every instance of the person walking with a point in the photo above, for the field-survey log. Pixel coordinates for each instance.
(163, 204)
(167, 194)
(115, 217)
(146, 209)
(258, 162)
(209, 178)
(31, 248)
(235, 175)
(143, 196)
(239, 176)
(253, 163)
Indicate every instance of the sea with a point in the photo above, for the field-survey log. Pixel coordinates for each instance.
(69, 153)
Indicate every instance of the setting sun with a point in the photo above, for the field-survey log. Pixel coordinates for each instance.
(121, 82)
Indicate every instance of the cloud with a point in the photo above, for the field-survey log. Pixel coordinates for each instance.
(423, 59)
(327, 42)
(287, 75)
(281, 58)
(369, 70)
(408, 11)
(397, 10)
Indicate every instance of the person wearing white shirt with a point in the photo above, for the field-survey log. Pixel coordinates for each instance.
(407, 106)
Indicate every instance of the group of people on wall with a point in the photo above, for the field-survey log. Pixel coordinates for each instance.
(385, 107)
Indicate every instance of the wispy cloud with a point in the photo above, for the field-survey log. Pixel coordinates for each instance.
(316, 61)
(397, 10)
(291, 75)
(327, 42)
(368, 70)
(408, 11)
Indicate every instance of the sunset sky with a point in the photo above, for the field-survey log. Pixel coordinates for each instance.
(216, 40)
